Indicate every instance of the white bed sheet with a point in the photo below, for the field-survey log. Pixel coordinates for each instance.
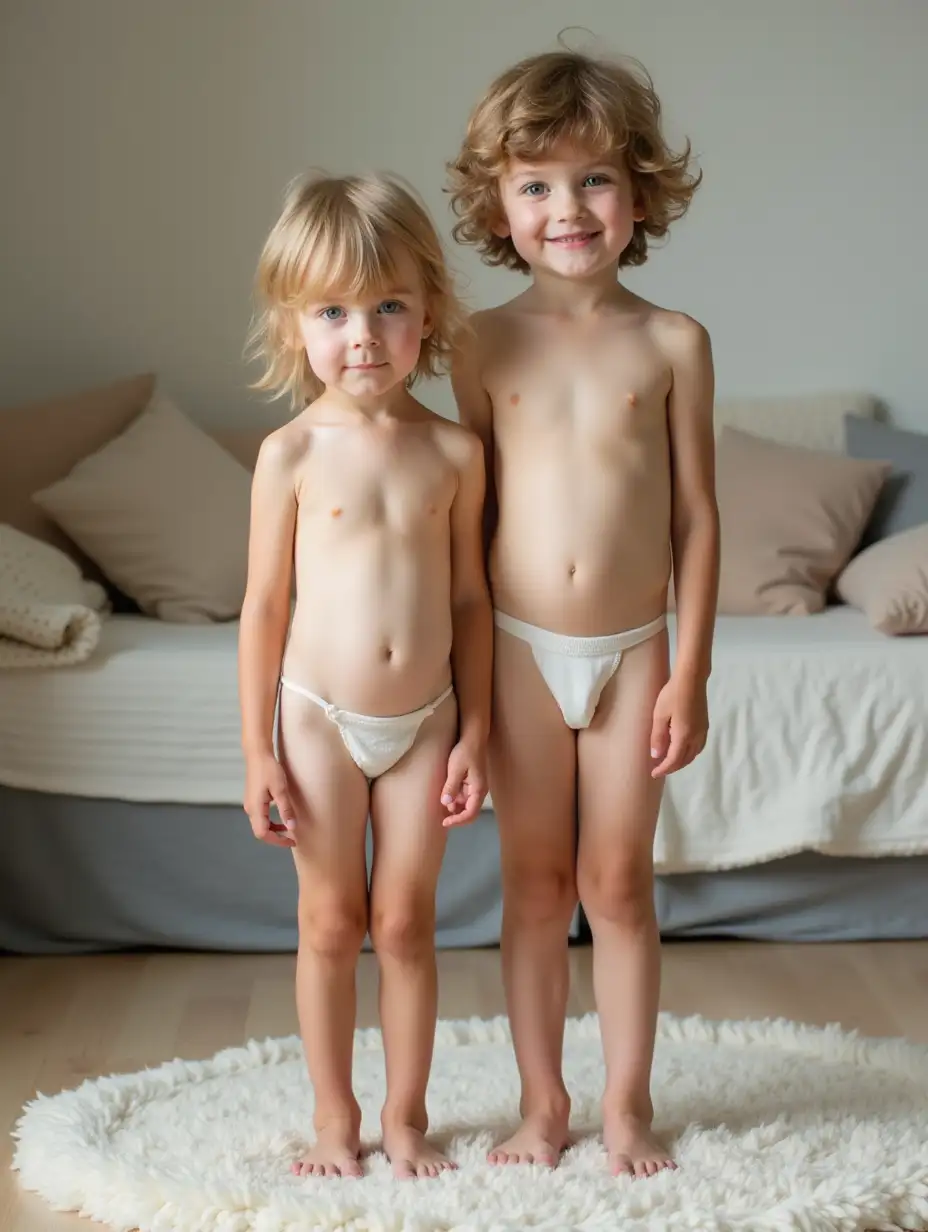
(152, 716)
(819, 742)
(819, 735)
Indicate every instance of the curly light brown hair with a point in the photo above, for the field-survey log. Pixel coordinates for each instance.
(608, 107)
(341, 236)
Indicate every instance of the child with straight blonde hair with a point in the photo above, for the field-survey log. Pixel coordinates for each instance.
(372, 505)
(595, 409)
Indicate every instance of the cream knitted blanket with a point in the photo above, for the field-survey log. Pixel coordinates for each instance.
(49, 614)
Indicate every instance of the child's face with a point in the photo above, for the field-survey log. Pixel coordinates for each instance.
(571, 213)
(364, 346)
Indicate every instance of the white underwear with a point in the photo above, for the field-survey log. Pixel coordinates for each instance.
(577, 669)
(376, 742)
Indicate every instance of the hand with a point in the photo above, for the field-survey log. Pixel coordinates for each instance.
(266, 784)
(680, 725)
(465, 787)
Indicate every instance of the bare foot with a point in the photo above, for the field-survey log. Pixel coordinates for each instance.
(633, 1149)
(410, 1154)
(336, 1152)
(538, 1140)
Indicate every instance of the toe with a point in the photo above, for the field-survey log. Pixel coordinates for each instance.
(403, 1170)
(351, 1167)
(622, 1166)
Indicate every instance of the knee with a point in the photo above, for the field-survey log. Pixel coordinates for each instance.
(538, 895)
(619, 893)
(335, 931)
(405, 934)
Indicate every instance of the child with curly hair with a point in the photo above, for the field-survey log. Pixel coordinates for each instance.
(595, 410)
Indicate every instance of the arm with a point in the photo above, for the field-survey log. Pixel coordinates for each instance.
(681, 718)
(476, 412)
(262, 633)
(472, 642)
(695, 516)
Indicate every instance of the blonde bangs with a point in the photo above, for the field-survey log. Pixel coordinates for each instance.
(340, 251)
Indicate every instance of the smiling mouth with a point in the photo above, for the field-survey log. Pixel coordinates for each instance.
(577, 239)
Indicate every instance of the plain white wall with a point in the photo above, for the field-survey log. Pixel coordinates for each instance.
(146, 144)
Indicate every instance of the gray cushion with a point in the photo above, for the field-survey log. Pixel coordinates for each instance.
(903, 502)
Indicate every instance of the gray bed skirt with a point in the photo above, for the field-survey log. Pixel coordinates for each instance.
(79, 876)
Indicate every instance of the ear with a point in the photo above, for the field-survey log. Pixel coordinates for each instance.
(639, 213)
(501, 229)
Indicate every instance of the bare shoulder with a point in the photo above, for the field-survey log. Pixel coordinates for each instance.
(471, 341)
(459, 444)
(681, 337)
(284, 449)
(488, 326)
(486, 320)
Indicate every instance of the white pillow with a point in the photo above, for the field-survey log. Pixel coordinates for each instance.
(814, 421)
(163, 511)
(889, 582)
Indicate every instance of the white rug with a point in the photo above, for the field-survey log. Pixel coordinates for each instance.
(776, 1126)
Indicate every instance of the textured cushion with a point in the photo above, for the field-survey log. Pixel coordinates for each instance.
(815, 421)
(889, 582)
(42, 441)
(164, 511)
(790, 520)
(903, 503)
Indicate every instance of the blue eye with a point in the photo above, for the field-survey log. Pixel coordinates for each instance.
(529, 189)
(332, 313)
(390, 307)
(600, 180)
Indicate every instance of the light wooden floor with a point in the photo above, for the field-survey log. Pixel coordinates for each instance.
(66, 1019)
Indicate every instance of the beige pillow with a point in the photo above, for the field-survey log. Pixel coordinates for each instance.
(889, 582)
(42, 441)
(242, 443)
(163, 510)
(790, 519)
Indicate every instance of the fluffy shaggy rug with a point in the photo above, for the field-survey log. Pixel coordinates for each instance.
(776, 1127)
